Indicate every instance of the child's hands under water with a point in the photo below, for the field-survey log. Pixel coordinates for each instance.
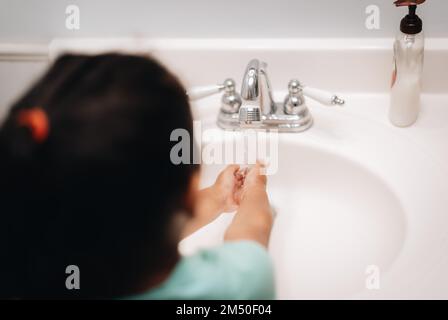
(238, 189)
(233, 183)
(253, 220)
(252, 179)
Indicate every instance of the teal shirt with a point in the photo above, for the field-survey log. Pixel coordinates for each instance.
(234, 270)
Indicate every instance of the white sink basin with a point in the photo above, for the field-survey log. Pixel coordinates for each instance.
(334, 219)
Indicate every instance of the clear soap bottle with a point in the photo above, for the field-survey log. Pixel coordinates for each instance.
(408, 67)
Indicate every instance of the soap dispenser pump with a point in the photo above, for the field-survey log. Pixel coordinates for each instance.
(408, 67)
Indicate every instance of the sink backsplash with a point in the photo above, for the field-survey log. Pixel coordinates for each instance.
(341, 65)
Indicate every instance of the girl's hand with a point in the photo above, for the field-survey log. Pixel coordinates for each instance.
(254, 219)
(227, 194)
(227, 186)
(214, 200)
(253, 180)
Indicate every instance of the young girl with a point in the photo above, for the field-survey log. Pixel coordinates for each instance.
(87, 181)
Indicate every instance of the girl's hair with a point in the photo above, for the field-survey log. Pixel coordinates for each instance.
(97, 189)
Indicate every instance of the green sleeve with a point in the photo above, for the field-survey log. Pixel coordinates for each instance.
(234, 270)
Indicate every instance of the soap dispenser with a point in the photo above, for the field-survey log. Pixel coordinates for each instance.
(408, 67)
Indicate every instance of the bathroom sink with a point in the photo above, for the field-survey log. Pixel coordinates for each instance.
(351, 194)
(334, 219)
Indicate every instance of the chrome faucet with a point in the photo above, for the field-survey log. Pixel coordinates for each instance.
(256, 88)
(256, 108)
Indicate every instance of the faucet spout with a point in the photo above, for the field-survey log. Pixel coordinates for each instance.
(256, 89)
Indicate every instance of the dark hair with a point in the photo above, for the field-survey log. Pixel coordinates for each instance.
(100, 192)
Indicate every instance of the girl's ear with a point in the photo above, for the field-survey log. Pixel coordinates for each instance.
(192, 193)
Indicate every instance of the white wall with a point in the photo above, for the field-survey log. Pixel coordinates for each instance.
(28, 21)
(15, 77)
(35, 20)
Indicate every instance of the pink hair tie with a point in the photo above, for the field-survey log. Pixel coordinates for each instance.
(36, 120)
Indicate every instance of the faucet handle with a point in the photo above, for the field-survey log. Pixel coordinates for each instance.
(296, 89)
(197, 93)
(322, 96)
(294, 101)
(231, 100)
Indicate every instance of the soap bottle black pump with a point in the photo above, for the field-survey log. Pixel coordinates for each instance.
(408, 67)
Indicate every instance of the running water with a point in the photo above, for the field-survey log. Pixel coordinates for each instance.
(245, 163)
(250, 155)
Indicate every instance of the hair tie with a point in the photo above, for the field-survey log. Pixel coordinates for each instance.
(36, 120)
